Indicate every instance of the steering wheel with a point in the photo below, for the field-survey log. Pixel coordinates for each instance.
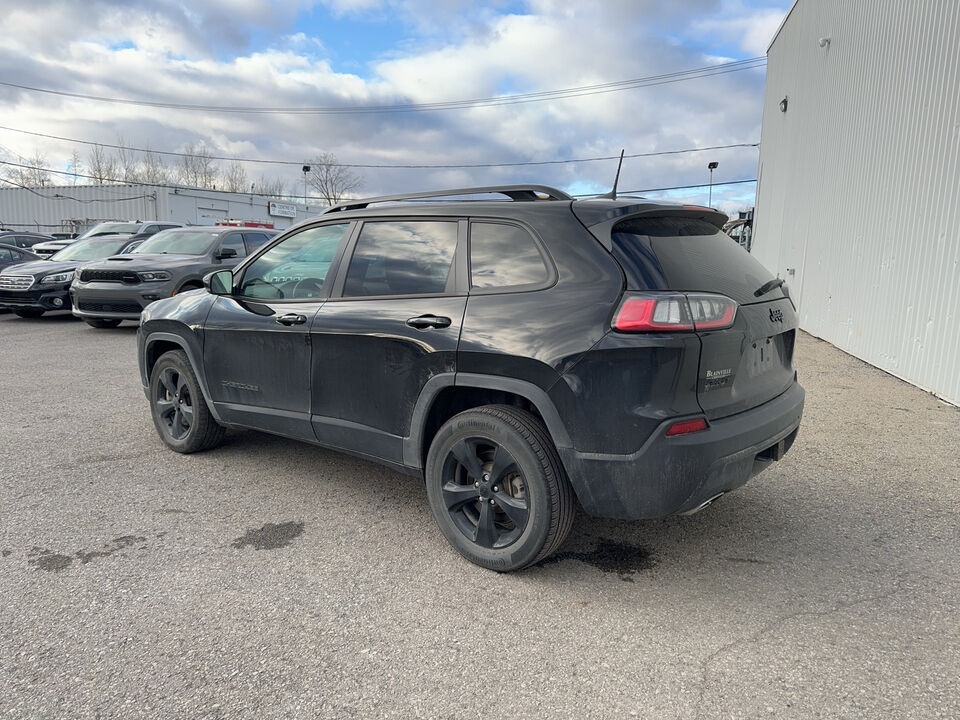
(310, 287)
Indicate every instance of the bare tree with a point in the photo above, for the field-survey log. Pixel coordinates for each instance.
(35, 173)
(103, 166)
(153, 170)
(275, 186)
(127, 164)
(331, 180)
(197, 168)
(235, 177)
(76, 166)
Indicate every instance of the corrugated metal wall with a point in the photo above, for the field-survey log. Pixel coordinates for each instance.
(859, 191)
(52, 209)
(74, 208)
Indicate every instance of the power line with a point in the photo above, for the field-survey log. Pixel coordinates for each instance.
(296, 197)
(380, 166)
(581, 91)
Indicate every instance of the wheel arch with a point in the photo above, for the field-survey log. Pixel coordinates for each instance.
(157, 343)
(447, 394)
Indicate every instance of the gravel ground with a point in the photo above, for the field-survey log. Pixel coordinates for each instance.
(273, 579)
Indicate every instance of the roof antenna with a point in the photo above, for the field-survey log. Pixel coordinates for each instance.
(612, 195)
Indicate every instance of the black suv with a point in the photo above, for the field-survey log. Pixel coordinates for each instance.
(517, 355)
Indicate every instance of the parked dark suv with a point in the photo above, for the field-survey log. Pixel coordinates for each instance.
(517, 355)
(172, 261)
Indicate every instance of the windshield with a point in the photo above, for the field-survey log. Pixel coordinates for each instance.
(111, 228)
(182, 242)
(90, 249)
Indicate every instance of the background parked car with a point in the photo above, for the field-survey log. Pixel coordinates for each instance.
(140, 230)
(22, 239)
(118, 288)
(10, 255)
(32, 288)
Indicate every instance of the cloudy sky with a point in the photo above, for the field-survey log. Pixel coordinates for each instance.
(368, 53)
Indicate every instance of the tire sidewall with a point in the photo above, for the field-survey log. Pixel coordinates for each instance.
(179, 363)
(527, 547)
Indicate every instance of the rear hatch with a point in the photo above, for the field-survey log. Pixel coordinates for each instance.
(746, 363)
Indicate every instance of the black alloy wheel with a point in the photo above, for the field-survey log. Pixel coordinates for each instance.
(497, 488)
(484, 492)
(179, 411)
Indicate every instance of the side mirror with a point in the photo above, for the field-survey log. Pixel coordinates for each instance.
(219, 283)
(226, 253)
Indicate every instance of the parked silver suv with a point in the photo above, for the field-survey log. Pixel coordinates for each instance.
(107, 292)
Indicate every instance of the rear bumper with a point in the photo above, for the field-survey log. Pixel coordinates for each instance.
(670, 475)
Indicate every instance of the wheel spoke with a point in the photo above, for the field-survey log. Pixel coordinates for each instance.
(164, 407)
(182, 385)
(515, 508)
(502, 461)
(176, 428)
(166, 378)
(486, 528)
(187, 412)
(465, 452)
(455, 495)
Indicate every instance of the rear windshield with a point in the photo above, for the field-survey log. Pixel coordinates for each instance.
(111, 228)
(179, 242)
(687, 254)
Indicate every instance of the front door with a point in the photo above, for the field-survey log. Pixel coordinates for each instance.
(257, 343)
(392, 324)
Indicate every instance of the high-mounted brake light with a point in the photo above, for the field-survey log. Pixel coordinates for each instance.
(685, 427)
(675, 312)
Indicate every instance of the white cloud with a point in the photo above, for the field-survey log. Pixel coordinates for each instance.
(202, 56)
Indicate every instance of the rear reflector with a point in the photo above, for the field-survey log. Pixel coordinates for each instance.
(685, 427)
(671, 312)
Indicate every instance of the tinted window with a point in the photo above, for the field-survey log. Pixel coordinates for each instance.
(111, 228)
(296, 268)
(235, 241)
(150, 229)
(402, 258)
(6, 255)
(186, 242)
(504, 255)
(680, 253)
(254, 240)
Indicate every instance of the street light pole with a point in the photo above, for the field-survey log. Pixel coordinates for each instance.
(306, 169)
(711, 167)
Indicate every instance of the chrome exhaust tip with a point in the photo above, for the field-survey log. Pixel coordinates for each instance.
(702, 505)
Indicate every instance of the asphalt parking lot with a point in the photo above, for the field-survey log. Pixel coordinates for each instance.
(273, 579)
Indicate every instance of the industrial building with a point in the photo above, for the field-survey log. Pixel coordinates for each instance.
(74, 208)
(858, 203)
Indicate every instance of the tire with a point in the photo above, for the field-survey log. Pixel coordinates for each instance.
(179, 411)
(186, 287)
(28, 312)
(102, 323)
(524, 495)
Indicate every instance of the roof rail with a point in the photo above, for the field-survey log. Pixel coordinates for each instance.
(514, 192)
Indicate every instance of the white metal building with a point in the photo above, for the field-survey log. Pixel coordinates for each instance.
(858, 202)
(73, 208)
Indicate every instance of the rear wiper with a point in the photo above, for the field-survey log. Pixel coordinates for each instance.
(767, 287)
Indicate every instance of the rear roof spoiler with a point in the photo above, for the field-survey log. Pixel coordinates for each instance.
(600, 219)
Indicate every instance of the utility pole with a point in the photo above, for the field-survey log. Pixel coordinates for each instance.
(711, 167)
(306, 170)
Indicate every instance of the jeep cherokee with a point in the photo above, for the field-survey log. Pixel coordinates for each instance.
(517, 355)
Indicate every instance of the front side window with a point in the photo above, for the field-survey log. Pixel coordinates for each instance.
(6, 255)
(235, 242)
(296, 268)
(402, 258)
(504, 255)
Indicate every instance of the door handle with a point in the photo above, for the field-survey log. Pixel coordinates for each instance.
(429, 321)
(292, 319)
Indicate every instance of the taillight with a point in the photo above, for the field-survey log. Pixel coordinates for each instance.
(685, 427)
(672, 312)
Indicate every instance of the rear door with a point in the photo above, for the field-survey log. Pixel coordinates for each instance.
(392, 324)
(741, 366)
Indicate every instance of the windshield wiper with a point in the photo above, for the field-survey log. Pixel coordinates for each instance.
(767, 287)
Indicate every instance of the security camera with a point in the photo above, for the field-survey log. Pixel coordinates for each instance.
(824, 41)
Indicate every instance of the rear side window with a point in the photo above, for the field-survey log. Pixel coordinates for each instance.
(402, 258)
(686, 254)
(6, 255)
(504, 255)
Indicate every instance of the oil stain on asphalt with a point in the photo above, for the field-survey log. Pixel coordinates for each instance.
(610, 557)
(271, 536)
(55, 562)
